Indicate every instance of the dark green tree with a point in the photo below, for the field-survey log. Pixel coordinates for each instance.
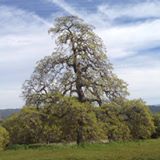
(32, 126)
(77, 120)
(67, 120)
(78, 67)
(139, 119)
(116, 129)
(23, 126)
(4, 138)
(156, 117)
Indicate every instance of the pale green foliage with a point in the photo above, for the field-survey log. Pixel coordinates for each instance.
(138, 118)
(28, 127)
(78, 67)
(156, 117)
(51, 133)
(12, 126)
(114, 124)
(77, 120)
(4, 138)
(23, 126)
(66, 120)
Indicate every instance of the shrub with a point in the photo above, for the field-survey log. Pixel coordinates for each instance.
(138, 118)
(114, 125)
(77, 120)
(156, 117)
(22, 126)
(66, 120)
(4, 138)
(29, 126)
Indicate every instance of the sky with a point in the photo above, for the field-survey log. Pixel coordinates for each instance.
(130, 30)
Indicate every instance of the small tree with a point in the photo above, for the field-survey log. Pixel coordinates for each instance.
(138, 118)
(23, 126)
(78, 67)
(77, 120)
(31, 126)
(156, 117)
(12, 126)
(4, 138)
(115, 127)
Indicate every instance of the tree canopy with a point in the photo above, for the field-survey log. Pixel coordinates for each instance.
(139, 119)
(78, 67)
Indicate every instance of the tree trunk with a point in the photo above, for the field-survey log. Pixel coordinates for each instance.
(80, 133)
(78, 73)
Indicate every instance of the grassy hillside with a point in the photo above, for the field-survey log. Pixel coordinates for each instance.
(142, 150)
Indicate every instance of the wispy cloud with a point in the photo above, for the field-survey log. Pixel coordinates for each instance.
(23, 41)
(81, 13)
(68, 8)
(124, 41)
(147, 9)
(14, 15)
(142, 73)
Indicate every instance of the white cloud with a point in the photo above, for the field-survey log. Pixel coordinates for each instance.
(91, 18)
(124, 41)
(143, 83)
(142, 73)
(137, 10)
(11, 99)
(15, 15)
(24, 40)
(66, 7)
(106, 13)
(142, 70)
(135, 35)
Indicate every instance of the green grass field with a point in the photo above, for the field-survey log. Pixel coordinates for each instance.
(141, 150)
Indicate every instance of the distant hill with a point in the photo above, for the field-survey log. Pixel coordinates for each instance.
(155, 108)
(4, 113)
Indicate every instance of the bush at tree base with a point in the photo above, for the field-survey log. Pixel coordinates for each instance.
(4, 138)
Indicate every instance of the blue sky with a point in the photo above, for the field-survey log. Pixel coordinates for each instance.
(130, 30)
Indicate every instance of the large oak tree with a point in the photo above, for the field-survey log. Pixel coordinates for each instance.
(78, 67)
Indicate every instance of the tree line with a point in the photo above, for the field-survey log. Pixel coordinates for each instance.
(74, 96)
